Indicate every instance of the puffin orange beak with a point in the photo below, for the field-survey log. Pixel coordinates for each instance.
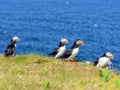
(66, 41)
(112, 57)
(82, 43)
(18, 39)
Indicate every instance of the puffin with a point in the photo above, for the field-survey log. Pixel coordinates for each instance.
(73, 51)
(104, 60)
(10, 49)
(60, 50)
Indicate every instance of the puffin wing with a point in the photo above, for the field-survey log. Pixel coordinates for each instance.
(96, 62)
(10, 49)
(67, 54)
(54, 52)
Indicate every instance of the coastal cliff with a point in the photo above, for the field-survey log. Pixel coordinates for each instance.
(37, 72)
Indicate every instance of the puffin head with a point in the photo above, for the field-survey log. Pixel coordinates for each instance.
(79, 42)
(15, 38)
(109, 55)
(64, 40)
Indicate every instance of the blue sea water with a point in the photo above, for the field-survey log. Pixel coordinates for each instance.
(42, 23)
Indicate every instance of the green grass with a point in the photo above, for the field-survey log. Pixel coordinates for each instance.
(36, 72)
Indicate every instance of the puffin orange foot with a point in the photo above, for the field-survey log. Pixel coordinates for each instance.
(70, 60)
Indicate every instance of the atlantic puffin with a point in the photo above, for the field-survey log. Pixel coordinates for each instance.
(104, 60)
(10, 49)
(73, 51)
(60, 50)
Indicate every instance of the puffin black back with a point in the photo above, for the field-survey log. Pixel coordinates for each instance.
(10, 48)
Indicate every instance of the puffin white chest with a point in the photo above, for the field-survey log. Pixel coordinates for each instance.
(75, 51)
(103, 61)
(74, 54)
(61, 51)
(15, 45)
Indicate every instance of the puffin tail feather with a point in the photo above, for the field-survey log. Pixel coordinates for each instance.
(95, 63)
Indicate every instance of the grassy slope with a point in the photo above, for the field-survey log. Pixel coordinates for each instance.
(35, 72)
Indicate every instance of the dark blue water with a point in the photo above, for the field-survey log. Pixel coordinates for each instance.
(41, 23)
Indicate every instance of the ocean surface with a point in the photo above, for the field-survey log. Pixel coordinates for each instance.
(42, 23)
